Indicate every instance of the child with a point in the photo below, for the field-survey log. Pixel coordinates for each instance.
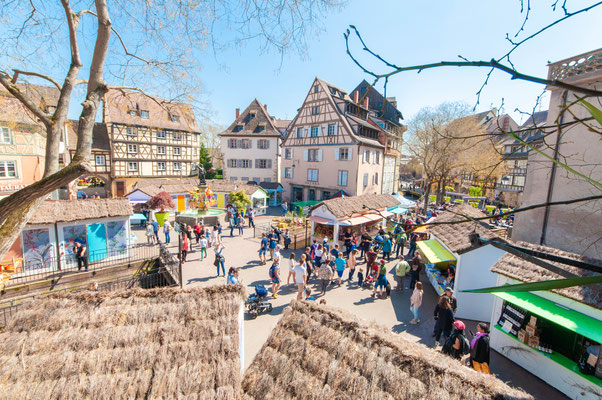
(360, 278)
(203, 243)
(291, 269)
(308, 295)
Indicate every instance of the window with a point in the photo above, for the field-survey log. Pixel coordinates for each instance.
(251, 116)
(232, 144)
(233, 178)
(332, 129)
(8, 169)
(315, 131)
(342, 178)
(231, 163)
(130, 131)
(288, 172)
(325, 195)
(177, 166)
(260, 128)
(132, 113)
(100, 160)
(177, 136)
(299, 133)
(160, 149)
(245, 144)
(315, 110)
(132, 166)
(365, 180)
(161, 134)
(244, 163)
(61, 160)
(132, 148)
(263, 144)
(177, 151)
(144, 114)
(244, 178)
(5, 136)
(344, 154)
(237, 128)
(314, 155)
(160, 166)
(288, 154)
(375, 179)
(377, 157)
(175, 118)
(256, 180)
(367, 156)
(263, 163)
(312, 175)
(316, 89)
(267, 180)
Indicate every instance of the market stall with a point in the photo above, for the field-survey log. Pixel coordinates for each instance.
(439, 262)
(555, 335)
(275, 191)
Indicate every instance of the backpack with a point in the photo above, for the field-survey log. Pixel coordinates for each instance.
(272, 271)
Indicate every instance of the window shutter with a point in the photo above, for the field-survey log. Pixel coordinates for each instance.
(305, 155)
(283, 173)
(250, 143)
(292, 172)
(269, 163)
(336, 128)
(309, 174)
(350, 154)
(267, 144)
(320, 155)
(306, 132)
(292, 153)
(336, 154)
(256, 163)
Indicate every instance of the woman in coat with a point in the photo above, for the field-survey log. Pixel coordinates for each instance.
(479, 349)
(444, 318)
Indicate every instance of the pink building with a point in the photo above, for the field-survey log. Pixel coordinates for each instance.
(331, 146)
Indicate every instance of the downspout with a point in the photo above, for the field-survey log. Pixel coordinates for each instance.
(544, 228)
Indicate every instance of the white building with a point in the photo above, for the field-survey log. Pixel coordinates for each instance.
(251, 145)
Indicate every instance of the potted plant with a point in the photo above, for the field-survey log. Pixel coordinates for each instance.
(161, 201)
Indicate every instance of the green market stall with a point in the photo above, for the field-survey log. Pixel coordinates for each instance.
(440, 264)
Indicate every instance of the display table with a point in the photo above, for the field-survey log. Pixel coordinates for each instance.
(437, 280)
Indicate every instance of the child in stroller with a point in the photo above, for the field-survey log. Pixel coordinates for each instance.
(371, 278)
(256, 304)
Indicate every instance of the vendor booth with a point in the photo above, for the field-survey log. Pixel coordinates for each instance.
(555, 335)
(472, 262)
(356, 214)
(440, 264)
(222, 189)
(274, 191)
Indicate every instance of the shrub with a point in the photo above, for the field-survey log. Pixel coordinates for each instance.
(161, 200)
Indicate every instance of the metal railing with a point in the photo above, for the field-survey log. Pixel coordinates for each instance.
(298, 239)
(54, 268)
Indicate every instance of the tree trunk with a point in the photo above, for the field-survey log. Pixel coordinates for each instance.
(427, 193)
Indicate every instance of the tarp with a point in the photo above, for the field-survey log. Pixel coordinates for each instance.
(398, 210)
(570, 319)
(357, 221)
(403, 202)
(304, 204)
(138, 217)
(259, 194)
(434, 251)
(326, 221)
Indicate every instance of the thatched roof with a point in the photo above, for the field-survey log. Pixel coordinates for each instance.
(523, 270)
(52, 211)
(227, 186)
(152, 187)
(456, 236)
(317, 352)
(346, 206)
(159, 343)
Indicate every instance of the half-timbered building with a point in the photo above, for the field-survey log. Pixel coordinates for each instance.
(331, 146)
(251, 145)
(149, 138)
(384, 114)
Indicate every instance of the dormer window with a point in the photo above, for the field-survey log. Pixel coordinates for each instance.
(175, 118)
(316, 89)
(144, 114)
(132, 113)
(332, 90)
(260, 128)
(238, 128)
(252, 115)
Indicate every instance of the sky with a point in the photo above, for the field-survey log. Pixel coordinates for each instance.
(406, 33)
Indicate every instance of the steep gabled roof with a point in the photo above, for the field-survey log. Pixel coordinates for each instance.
(117, 104)
(245, 125)
(376, 101)
(537, 118)
(100, 136)
(346, 206)
(12, 110)
(319, 352)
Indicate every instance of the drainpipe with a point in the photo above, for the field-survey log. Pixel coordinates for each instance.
(544, 228)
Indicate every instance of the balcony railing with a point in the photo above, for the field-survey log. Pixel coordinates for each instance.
(509, 188)
(577, 68)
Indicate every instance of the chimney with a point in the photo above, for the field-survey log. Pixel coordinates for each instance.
(237, 112)
(356, 97)
(366, 102)
(266, 107)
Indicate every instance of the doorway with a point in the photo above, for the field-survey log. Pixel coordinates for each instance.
(297, 194)
(120, 186)
(312, 194)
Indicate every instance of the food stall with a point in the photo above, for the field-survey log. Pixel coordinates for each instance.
(554, 334)
(439, 264)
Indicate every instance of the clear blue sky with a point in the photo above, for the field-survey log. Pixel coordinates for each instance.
(406, 32)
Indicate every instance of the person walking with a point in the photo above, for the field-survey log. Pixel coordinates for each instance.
(381, 281)
(150, 233)
(387, 247)
(365, 244)
(340, 265)
(287, 239)
(284, 208)
(233, 224)
(370, 259)
(274, 274)
(263, 249)
(185, 246)
(456, 344)
(241, 225)
(401, 269)
(325, 276)
(348, 242)
(444, 318)
(81, 255)
(272, 245)
(412, 250)
(416, 302)
(251, 217)
(155, 225)
(479, 349)
(190, 234)
(215, 235)
(301, 276)
(167, 232)
(414, 274)
(208, 237)
(219, 258)
(318, 254)
(309, 265)
(400, 241)
(352, 263)
(291, 269)
(203, 243)
(453, 303)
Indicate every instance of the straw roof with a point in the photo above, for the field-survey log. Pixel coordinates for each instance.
(523, 270)
(346, 206)
(159, 343)
(318, 352)
(53, 211)
(227, 186)
(456, 236)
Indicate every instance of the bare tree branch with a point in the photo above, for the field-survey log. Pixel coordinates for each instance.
(18, 72)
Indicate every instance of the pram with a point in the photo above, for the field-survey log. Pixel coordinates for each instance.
(256, 304)
(370, 280)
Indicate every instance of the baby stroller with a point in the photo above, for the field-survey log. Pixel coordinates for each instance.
(371, 278)
(256, 304)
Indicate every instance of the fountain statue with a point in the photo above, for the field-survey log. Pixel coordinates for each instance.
(201, 199)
